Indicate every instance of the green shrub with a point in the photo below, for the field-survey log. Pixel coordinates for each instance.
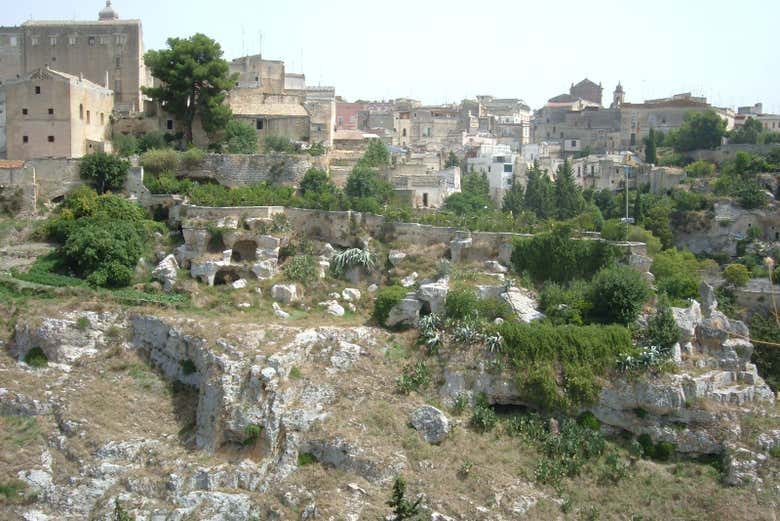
(252, 433)
(83, 323)
(414, 377)
(460, 303)
(736, 274)
(160, 160)
(664, 450)
(386, 299)
(152, 140)
(278, 144)
(618, 294)
(700, 168)
(192, 157)
(105, 252)
(484, 418)
(306, 458)
(648, 447)
(614, 230)
(556, 256)
(35, 357)
(559, 366)
(766, 356)
(240, 138)
(662, 330)
(104, 171)
(565, 304)
(295, 373)
(351, 258)
(301, 268)
(125, 144)
(589, 420)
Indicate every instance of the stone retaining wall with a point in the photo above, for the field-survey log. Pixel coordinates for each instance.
(235, 170)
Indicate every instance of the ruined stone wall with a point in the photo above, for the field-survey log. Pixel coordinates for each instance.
(728, 152)
(234, 170)
(55, 177)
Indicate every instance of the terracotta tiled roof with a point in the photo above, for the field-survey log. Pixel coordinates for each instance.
(7, 164)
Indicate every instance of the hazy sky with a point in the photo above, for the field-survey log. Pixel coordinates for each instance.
(439, 51)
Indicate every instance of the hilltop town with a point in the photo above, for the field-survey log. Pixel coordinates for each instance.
(229, 295)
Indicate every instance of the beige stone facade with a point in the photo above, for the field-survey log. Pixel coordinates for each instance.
(11, 53)
(54, 114)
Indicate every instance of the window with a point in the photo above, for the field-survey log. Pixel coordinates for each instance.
(72, 40)
(425, 200)
(509, 182)
(88, 118)
(34, 40)
(104, 40)
(120, 39)
(102, 118)
(259, 124)
(50, 139)
(118, 62)
(91, 40)
(169, 124)
(508, 168)
(403, 133)
(51, 111)
(25, 139)
(117, 86)
(592, 170)
(24, 112)
(37, 89)
(12, 41)
(81, 111)
(573, 143)
(52, 41)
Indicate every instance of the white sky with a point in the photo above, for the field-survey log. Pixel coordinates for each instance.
(441, 51)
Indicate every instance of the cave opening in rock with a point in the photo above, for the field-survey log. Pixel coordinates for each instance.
(244, 251)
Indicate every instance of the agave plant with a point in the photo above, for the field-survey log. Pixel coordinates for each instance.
(493, 343)
(466, 334)
(350, 258)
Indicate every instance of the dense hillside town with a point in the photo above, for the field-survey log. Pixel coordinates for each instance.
(228, 294)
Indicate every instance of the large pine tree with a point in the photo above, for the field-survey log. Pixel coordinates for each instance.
(540, 193)
(568, 196)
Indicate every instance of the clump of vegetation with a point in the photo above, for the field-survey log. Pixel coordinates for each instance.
(352, 258)
(558, 367)
(240, 138)
(484, 418)
(15, 492)
(618, 294)
(295, 373)
(301, 268)
(736, 274)
(35, 357)
(661, 451)
(106, 172)
(677, 275)
(386, 300)
(662, 330)
(160, 160)
(252, 433)
(414, 377)
(306, 458)
(403, 508)
(765, 355)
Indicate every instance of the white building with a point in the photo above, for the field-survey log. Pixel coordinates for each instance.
(497, 162)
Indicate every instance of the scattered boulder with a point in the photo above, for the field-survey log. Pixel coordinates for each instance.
(459, 247)
(373, 288)
(239, 284)
(265, 269)
(328, 251)
(434, 294)
(279, 312)
(284, 293)
(523, 305)
(687, 319)
(495, 267)
(166, 272)
(406, 312)
(709, 302)
(395, 257)
(431, 422)
(333, 308)
(351, 294)
(409, 280)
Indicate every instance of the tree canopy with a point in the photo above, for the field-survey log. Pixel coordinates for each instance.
(699, 130)
(568, 196)
(240, 138)
(195, 80)
(106, 172)
(539, 193)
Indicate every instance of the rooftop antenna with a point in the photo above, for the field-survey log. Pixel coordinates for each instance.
(243, 42)
(260, 38)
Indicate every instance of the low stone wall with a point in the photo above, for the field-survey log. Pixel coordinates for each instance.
(213, 213)
(726, 152)
(757, 296)
(234, 170)
(55, 177)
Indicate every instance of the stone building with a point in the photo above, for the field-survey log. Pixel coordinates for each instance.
(428, 190)
(347, 114)
(587, 90)
(53, 114)
(509, 119)
(254, 72)
(106, 52)
(497, 162)
(321, 105)
(435, 128)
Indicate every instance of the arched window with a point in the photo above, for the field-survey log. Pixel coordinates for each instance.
(81, 111)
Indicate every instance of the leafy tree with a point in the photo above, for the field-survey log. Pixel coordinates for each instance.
(402, 507)
(662, 330)
(315, 181)
(568, 196)
(736, 274)
(607, 203)
(540, 193)
(473, 198)
(194, 81)
(514, 199)
(102, 251)
(700, 168)
(699, 130)
(618, 294)
(658, 220)
(364, 182)
(676, 274)
(104, 171)
(651, 155)
(452, 160)
(747, 133)
(638, 208)
(240, 138)
(377, 154)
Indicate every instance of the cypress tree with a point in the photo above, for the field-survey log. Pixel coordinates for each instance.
(568, 196)
(650, 148)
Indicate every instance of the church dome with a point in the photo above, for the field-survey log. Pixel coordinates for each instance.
(108, 13)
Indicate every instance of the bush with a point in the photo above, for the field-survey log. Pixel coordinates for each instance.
(240, 138)
(766, 356)
(618, 294)
(302, 268)
(191, 157)
(614, 230)
(565, 304)
(588, 420)
(558, 257)
(558, 366)
(278, 144)
(351, 258)
(35, 357)
(460, 303)
(252, 433)
(414, 377)
(736, 274)
(676, 274)
(306, 458)
(152, 140)
(484, 418)
(156, 161)
(662, 329)
(125, 144)
(386, 299)
(700, 168)
(104, 171)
